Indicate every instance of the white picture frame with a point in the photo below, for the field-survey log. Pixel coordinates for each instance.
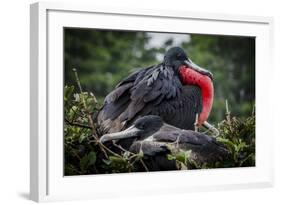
(47, 182)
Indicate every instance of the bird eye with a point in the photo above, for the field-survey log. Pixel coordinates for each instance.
(142, 126)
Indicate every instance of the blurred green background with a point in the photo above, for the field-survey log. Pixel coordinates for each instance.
(104, 57)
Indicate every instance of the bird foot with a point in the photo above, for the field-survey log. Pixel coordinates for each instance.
(210, 127)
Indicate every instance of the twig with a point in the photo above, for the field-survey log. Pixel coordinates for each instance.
(254, 110)
(77, 124)
(84, 103)
(196, 123)
(133, 155)
(124, 150)
(136, 158)
(120, 147)
(91, 122)
(143, 164)
(109, 150)
(105, 147)
(141, 154)
(94, 97)
(227, 112)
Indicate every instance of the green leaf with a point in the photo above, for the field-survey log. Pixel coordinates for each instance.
(68, 90)
(171, 157)
(88, 160)
(92, 158)
(106, 161)
(82, 137)
(84, 163)
(181, 156)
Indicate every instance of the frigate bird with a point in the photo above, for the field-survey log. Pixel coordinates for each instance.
(177, 90)
(155, 139)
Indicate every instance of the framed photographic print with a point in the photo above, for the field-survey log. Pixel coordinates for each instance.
(134, 97)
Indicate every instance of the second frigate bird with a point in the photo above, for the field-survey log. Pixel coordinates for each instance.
(155, 139)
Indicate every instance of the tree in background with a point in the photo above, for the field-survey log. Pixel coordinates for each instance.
(232, 61)
(103, 58)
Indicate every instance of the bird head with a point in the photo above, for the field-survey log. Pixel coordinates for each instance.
(141, 129)
(177, 59)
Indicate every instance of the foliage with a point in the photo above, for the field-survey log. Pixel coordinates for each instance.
(85, 155)
(239, 137)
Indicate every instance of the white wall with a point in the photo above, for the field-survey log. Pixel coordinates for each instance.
(14, 103)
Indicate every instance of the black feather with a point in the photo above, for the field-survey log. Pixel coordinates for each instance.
(154, 90)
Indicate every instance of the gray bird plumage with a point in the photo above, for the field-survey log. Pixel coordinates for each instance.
(156, 139)
(152, 91)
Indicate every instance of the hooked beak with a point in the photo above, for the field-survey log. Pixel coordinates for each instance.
(197, 68)
(129, 132)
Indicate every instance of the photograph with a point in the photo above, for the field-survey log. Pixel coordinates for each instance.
(145, 101)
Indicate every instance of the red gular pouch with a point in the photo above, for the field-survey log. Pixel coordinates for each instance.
(191, 77)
